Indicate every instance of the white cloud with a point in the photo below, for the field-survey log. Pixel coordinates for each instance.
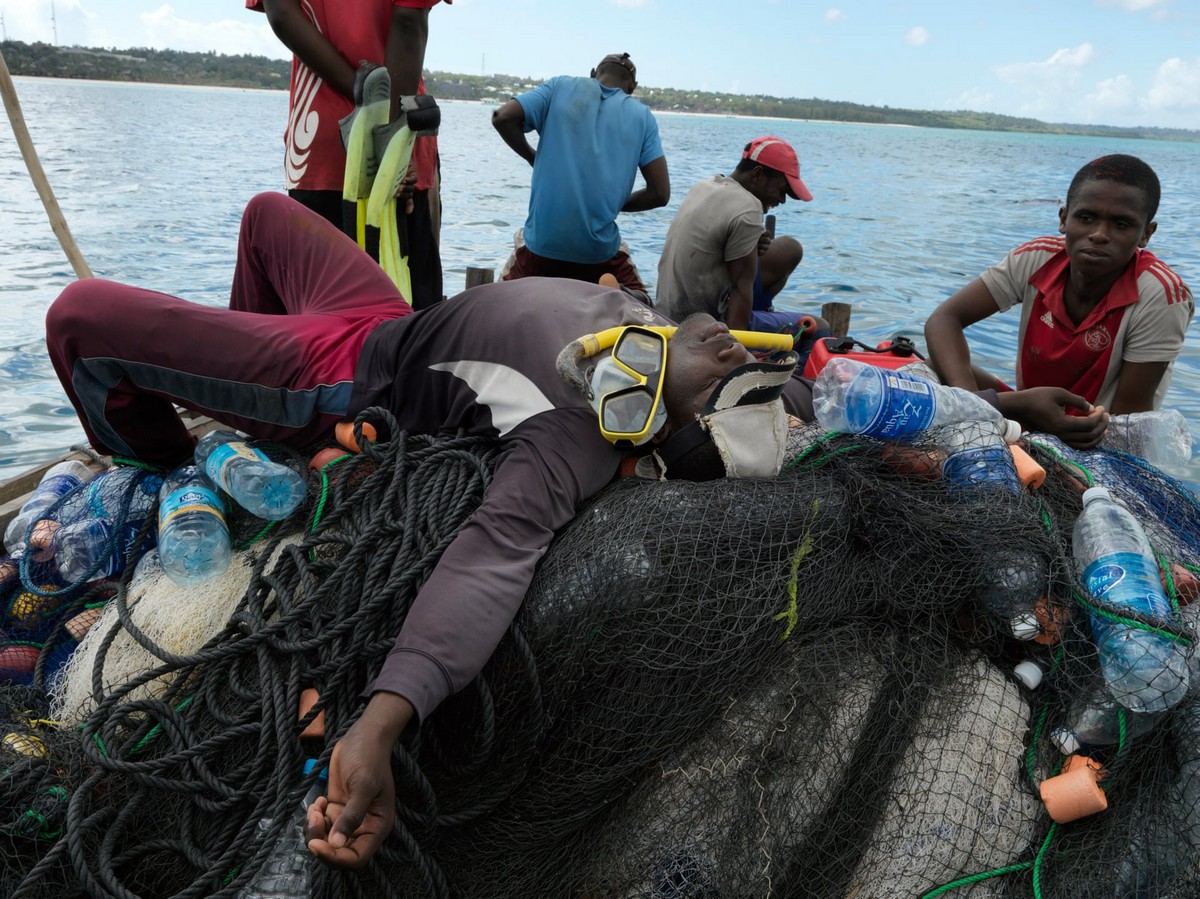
(834, 15)
(973, 99)
(36, 20)
(1131, 5)
(1176, 86)
(247, 34)
(1112, 100)
(1048, 89)
(916, 36)
(1061, 64)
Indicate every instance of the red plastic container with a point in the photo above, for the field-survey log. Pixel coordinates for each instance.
(889, 354)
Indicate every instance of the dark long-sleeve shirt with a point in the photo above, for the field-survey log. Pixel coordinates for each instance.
(484, 362)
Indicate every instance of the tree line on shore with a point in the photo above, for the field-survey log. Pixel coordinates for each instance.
(246, 71)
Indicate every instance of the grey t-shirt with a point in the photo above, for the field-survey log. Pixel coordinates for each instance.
(717, 222)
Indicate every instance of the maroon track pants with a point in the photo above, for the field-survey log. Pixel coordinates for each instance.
(278, 364)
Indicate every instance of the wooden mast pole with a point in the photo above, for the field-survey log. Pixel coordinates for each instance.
(57, 222)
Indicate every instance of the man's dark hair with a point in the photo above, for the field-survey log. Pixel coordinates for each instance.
(746, 166)
(1123, 170)
(620, 66)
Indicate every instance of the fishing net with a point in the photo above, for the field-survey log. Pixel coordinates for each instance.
(801, 686)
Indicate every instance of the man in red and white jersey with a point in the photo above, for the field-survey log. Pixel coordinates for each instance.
(1102, 318)
(328, 41)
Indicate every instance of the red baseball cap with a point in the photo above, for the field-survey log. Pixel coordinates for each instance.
(776, 153)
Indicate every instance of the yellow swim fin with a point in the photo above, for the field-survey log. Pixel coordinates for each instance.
(394, 143)
(372, 99)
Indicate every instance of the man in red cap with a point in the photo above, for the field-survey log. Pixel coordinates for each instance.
(718, 258)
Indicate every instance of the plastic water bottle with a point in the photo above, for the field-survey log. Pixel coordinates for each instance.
(859, 398)
(977, 457)
(193, 540)
(1161, 436)
(284, 875)
(1146, 671)
(100, 534)
(56, 483)
(1011, 587)
(260, 486)
(1094, 720)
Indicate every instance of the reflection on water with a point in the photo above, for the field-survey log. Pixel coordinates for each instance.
(152, 180)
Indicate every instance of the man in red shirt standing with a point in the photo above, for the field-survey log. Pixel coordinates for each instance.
(329, 41)
(1102, 318)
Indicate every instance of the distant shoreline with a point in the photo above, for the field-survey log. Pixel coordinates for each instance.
(771, 118)
(245, 72)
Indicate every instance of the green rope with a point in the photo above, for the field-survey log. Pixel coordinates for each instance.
(820, 445)
(1128, 622)
(1064, 462)
(1040, 861)
(136, 463)
(976, 878)
(322, 500)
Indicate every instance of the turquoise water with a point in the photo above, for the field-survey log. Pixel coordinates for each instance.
(152, 180)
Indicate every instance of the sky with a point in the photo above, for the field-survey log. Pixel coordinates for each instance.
(1111, 62)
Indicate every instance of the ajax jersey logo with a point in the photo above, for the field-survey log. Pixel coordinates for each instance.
(1097, 339)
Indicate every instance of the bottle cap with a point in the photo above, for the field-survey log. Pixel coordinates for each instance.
(1065, 740)
(1095, 493)
(1025, 626)
(1029, 673)
(1010, 430)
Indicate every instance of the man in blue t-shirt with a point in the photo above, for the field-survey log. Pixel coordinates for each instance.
(594, 137)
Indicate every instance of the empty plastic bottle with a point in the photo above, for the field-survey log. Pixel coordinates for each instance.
(193, 540)
(260, 486)
(1146, 671)
(284, 875)
(859, 398)
(1093, 719)
(977, 457)
(102, 533)
(56, 483)
(1011, 587)
(1161, 436)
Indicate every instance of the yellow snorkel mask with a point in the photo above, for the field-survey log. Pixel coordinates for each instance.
(626, 387)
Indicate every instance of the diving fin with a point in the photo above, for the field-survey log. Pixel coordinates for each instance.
(372, 103)
(393, 145)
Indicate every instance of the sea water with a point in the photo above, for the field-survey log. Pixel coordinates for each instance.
(152, 180)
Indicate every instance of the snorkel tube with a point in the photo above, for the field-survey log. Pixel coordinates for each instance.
(569, 363)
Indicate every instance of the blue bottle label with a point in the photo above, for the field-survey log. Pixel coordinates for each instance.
(192, 498)
(906, 409)
(58, 485)
(1130, 580)
(216, 465)
(128, 534)
(989, 467)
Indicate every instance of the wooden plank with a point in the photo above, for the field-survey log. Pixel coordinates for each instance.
(477, 276)
(838, 316)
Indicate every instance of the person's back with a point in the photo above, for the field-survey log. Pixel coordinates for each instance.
(718, 221)
(594, 138)
(719, 258)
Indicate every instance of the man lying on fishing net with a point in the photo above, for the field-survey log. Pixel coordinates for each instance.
(316, 333)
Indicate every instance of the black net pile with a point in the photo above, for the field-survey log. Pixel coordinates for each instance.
(792, 687)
